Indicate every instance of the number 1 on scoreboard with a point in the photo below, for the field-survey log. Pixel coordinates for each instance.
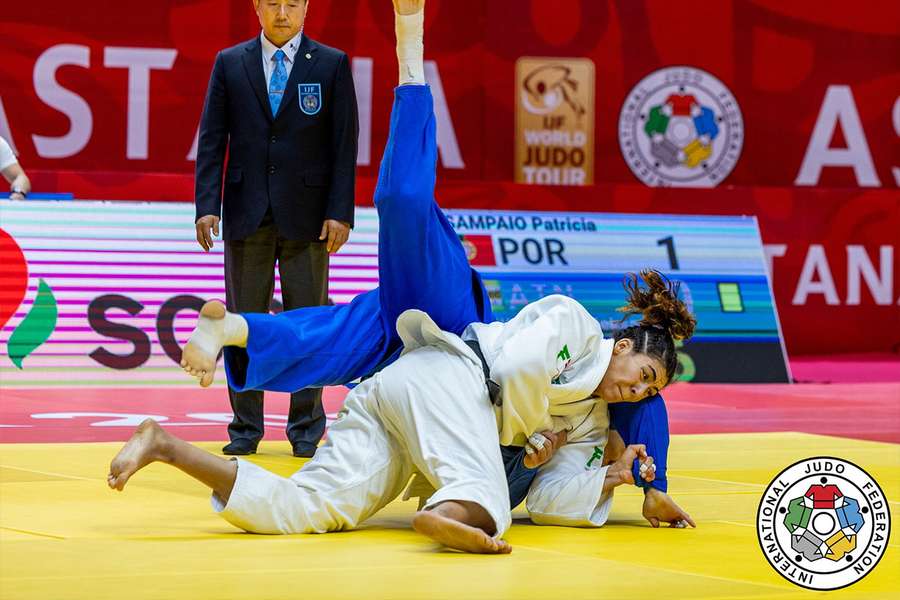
(669, 243)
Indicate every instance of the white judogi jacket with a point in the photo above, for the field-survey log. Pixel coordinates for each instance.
(567, 489)
(548, 360)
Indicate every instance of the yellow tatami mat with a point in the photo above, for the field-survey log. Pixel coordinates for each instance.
(64, 534)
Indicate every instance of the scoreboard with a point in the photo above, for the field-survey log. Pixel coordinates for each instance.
(105, 293)
(718, 262)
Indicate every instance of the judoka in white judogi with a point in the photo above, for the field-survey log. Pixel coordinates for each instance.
(429, 414)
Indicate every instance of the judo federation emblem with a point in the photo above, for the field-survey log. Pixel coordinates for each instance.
(310, 97)
(823, 523)
(681, 126)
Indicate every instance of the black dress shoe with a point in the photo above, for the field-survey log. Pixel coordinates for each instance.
(240, 447)
(304, 450)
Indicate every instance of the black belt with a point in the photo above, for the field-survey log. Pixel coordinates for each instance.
(492, 388)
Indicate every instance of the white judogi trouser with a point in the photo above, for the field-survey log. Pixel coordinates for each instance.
(427, 412)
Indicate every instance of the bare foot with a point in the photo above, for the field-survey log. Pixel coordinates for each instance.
(457, 535)
(408, 7)
(147, 445)
(201, 352)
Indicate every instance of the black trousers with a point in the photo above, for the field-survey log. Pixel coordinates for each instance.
(249, 286)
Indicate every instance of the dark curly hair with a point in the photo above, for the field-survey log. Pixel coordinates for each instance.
(664, 318)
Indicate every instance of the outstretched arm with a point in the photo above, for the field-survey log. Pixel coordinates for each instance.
(647, 422)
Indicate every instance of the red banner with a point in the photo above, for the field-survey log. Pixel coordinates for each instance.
(786, 106)
(773, 93)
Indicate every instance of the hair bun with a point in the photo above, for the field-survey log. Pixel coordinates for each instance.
(655, 298)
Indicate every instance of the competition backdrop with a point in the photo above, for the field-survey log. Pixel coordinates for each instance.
(118, 87)
(101, 293)
(789, 111)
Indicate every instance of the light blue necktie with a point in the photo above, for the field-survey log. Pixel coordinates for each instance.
(278, 82)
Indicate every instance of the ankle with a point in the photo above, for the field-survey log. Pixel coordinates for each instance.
(235, 330)
(410, 47)
(449, 509)
(164, 447)
(467, 513)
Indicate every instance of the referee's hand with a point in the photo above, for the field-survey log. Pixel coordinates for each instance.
(334, 234)
(207, 228)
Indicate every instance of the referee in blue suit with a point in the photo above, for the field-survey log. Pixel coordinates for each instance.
(282, 109)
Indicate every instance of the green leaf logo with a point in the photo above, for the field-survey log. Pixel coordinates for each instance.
(36, 327)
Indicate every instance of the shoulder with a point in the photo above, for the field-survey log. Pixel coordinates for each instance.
(329, 54)
(558, 302)
(235, 52)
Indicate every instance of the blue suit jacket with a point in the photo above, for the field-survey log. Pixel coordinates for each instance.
(300, 162)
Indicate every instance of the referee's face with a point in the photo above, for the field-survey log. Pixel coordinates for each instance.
(280, 19)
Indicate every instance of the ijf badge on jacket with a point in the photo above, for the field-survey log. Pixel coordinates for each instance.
(310, 95)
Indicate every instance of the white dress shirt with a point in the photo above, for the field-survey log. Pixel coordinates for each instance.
(268, 54)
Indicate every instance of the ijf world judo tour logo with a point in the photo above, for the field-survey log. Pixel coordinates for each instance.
(823, 523)
(681, 126)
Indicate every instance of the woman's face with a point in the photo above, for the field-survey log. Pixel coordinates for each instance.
(631, 376)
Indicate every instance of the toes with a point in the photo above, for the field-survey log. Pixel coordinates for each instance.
(206, 379)
(496, 546)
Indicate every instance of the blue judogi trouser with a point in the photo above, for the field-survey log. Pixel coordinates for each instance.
(421, 264)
